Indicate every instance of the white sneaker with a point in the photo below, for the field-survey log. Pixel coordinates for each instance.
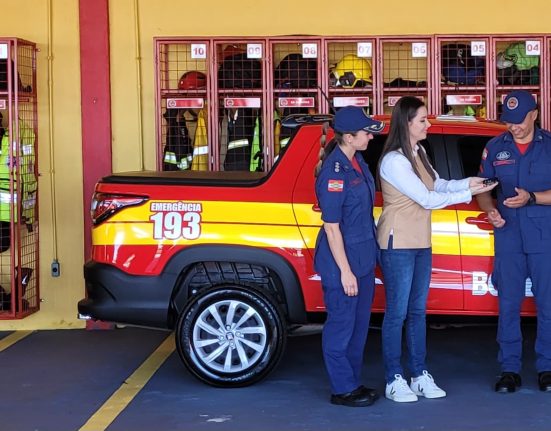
(424, 386)
(399, 390)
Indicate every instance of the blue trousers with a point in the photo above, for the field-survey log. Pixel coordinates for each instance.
(345, 332)
(406, 275)
(509, 278)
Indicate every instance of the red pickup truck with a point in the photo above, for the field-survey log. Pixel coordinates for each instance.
(225, 258)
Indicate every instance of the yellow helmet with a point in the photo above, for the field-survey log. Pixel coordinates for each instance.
(351, 71)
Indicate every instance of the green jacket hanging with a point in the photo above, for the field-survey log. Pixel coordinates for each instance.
(18, 166)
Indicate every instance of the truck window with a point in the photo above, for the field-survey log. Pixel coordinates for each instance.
(375, 149)
(470, 152)
(373, 153)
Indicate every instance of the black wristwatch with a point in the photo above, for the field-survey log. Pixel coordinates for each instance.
(531, 199)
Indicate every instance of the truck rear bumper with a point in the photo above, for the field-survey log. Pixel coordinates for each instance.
(115, 296)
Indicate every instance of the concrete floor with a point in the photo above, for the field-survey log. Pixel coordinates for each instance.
(56, 380)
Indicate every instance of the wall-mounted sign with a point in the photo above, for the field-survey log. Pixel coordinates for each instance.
(392, 100)
(478, 48)
(199, 50)
(193, 103)
(309, 50)
(339, 102)
(464, 99)
(533, 47)
(298, 102)
(419, 49)
(242, 102)
(254, 50)
(365, 49)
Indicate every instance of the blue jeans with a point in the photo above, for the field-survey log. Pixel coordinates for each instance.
(406, 274)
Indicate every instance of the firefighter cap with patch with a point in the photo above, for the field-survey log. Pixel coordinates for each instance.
(516, 106)
(353, 119)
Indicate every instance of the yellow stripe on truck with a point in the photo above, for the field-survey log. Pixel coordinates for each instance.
(259, 235)
(217, 211)
(475, 241)
(236, 223)
(445, 237)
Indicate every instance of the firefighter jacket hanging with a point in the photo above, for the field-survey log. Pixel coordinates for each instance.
(244, 141)
(18, 184)
(256, 151)
(178, 148)
(200, 161)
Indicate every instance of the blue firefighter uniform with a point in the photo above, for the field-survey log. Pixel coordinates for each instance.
(522, 245)
(346, 197)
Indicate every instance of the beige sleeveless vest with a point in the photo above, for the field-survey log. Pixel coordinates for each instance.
(406, 220)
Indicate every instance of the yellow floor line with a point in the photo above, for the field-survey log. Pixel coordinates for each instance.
(13, 338)
(109, 411)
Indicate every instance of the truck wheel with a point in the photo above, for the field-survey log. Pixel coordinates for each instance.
(230, 336)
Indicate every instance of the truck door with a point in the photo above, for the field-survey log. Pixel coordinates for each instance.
(446, 288)
(308, 215)
(476, 235)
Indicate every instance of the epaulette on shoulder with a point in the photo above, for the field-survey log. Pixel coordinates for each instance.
(495, 139)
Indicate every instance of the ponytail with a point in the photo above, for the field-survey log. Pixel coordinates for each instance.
(326, 149)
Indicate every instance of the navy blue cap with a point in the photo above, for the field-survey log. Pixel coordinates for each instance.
(516, 105)
(353, 118)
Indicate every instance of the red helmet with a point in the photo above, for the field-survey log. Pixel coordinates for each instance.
(192, 80)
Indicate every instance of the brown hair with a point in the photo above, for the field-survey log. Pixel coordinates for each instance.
(398, 137)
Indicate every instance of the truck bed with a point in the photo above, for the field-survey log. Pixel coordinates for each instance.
(195, 178)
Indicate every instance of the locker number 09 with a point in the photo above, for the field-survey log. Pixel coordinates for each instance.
(254, 50)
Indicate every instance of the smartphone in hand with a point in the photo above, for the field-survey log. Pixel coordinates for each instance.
(490, 181)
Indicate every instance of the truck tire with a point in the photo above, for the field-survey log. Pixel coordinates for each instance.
(230, 336)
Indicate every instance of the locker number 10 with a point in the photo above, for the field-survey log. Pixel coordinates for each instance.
(198, 50)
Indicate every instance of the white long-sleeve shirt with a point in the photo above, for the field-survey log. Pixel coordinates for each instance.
(398, 171)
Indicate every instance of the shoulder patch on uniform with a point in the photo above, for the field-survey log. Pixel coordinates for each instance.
(335, 185)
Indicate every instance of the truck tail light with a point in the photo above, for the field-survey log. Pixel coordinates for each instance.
(105, 205)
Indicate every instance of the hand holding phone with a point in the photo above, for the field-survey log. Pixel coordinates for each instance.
(490, 181)
(479, 185)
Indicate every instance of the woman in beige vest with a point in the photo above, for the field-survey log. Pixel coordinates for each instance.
(411, 189)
